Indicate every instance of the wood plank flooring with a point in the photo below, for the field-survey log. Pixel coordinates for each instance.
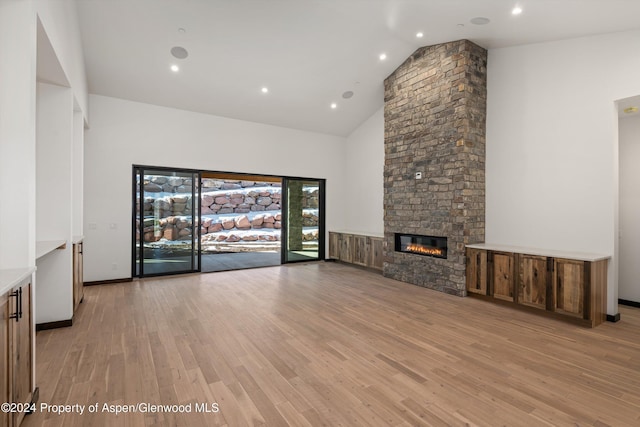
(325, 344)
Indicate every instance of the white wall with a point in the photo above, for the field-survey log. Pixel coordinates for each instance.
(551, 165)
(17, 133)
(54, 165)
(60, 21)
(363, 205)
(124, 133)
(629, 280)
(77, 174)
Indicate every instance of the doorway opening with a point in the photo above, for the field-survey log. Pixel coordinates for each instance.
(628, 201)
(187, 221)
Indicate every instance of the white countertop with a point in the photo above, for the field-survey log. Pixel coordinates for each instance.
(11, 277)
(43, 247)
(580, 256)
(359, 233)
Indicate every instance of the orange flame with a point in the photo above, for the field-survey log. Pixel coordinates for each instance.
(419, 249)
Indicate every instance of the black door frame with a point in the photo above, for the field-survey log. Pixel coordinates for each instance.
(284, 233)
(196, 253)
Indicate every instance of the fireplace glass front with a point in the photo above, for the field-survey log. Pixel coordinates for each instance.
(432, 246)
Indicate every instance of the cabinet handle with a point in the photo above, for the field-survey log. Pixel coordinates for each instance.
(16, 315)
(20, 303)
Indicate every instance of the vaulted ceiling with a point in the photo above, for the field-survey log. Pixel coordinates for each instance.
(307, 53)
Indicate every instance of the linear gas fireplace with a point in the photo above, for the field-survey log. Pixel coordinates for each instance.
(422, 245)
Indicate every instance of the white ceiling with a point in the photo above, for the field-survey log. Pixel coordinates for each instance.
(307, 52)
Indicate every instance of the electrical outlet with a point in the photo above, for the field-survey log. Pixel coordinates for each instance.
(114, 266)
(418, 175)
(93, 226)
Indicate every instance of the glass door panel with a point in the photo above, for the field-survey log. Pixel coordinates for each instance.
(167, 218)
(303, 232)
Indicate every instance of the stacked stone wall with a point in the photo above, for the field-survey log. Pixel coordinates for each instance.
(435, 114)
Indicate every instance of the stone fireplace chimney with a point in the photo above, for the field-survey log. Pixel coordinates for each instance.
(434, 180)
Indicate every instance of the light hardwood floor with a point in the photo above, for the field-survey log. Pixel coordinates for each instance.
(328, 344)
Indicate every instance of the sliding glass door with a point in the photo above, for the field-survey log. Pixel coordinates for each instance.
(303, 229)
(187, 221)
(166, 219)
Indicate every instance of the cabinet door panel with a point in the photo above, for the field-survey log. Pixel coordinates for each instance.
(532, 289)
(477, 271)
(568, 286)
(376, 253)
(360, 250)
(334, 245)
(346, 248)
(502, 278)
(21, 351)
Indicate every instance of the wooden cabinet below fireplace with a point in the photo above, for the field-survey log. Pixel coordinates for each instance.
(570, 286)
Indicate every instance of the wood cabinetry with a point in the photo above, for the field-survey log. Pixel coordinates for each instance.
(360, 250)
(78, 280)
(533, 281)
(561, 286)
(16, 350)
(501, 275)
(20, 347)
(477, 271)
(569, 296)
(375, 252)
(356, 249)
(345, 251)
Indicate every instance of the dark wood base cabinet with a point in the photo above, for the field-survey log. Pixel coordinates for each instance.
(568, 286)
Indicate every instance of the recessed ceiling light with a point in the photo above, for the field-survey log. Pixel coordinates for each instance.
(334, 106)
(265, 90)
(480, 20)
(419, 35)
(348, 94)
(516, 10)
(383, 56)
(179, 52)
(175, 68)
(630, 110)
